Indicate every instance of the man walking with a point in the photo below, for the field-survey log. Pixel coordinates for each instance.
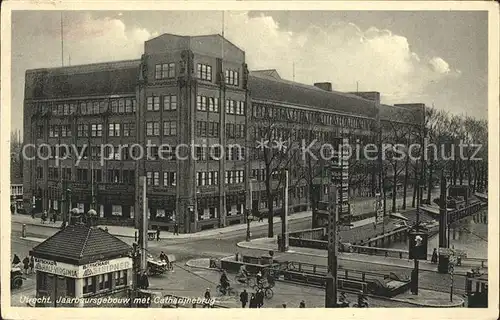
(176, 229)
(244, 298)
(158, 233)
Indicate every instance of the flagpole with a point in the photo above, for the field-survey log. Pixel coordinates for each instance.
(62, 41)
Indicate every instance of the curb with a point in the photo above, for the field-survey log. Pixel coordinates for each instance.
(239, 244)
(197, 267)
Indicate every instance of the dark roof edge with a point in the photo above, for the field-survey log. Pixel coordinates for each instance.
(91, 67)
(313, 88)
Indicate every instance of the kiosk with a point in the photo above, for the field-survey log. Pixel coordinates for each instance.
(80, 266)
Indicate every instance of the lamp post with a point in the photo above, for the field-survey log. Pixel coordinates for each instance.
(249, 209)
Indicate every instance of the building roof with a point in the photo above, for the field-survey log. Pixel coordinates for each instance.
(84, 80)
(264, 87)
(269, 73)
(80, 244)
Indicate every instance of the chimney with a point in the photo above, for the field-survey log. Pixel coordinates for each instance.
(327, 86)
(368, 95)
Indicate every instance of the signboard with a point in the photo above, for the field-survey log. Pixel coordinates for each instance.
(91, 269)
(58, 268)
(106, 266)
(417, 245)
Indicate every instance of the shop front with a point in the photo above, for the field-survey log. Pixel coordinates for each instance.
(83, 266)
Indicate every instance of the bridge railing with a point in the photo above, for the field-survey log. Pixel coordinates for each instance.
(310, 234)
(403, 254)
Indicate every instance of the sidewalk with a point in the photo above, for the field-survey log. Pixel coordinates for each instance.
(318, 256)
(314, 297)
(129, 232)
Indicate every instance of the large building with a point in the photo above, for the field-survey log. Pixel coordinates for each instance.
(184, 93)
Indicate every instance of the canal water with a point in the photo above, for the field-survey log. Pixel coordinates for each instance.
(469, 234)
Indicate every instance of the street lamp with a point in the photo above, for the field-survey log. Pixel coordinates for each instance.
(249, 208)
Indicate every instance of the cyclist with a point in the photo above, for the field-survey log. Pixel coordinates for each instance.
(243, 274)
(224, 281)
(259, 279)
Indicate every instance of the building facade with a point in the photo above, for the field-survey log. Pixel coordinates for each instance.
(186, 115)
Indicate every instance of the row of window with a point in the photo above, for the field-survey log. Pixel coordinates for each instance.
(169, 103)
(207, 178)
(235, 107)
(204, 103)
(207, 129)
(169, 178)
(231, 153)
(303, 116)
(103, 282)
(234, 176)
(121, 105)
(153, 128)
(235, 130)
(85, 175)
(165, 71)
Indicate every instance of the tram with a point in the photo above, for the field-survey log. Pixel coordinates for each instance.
(476, 288)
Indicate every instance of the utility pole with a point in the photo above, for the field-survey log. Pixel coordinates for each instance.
(443, 224)
(143, 230)
(331, 279)
(249, 209)
(284, 220)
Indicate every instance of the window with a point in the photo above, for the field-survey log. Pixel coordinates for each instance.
(153, 128)
(169, 128)
(128, 129)
(120, 278)
(232, 77)
(201, 128)
(88, 285)
(116, 210)
(149, 178)
(170, 102)
(156, 178)
(96, 130)
(213, 104)
(164, 71)
(204, 72)
(128, 105)
(153, 104)
(114, 130)
(169, 178)
(39, 131)
(200, 153)
(213, 129)
(201, 103)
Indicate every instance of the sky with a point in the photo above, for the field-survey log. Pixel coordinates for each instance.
(433, 57)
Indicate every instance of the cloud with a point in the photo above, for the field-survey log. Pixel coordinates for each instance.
(341, 53)
(439, 65)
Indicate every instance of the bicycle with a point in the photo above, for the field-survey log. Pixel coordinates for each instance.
(249, 281)
(228, 291)
(268, 293)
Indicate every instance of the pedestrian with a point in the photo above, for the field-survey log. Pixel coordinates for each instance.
(12, 208)
(259, 297)
(244, 298)
(44, 217)
(208, 297)
(32, 264)
(144, 280)
(106, 229)
(158, 233)
(26, 264)
(302, 304)
(261, 218)
(176, 229)
(253, 301)
(434, 258)
(33, 213)
(54, 217)
(284, 305)
(16, 260)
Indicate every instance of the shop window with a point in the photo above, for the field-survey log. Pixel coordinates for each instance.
(70, 287)
(88, 285)
(120, 278)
